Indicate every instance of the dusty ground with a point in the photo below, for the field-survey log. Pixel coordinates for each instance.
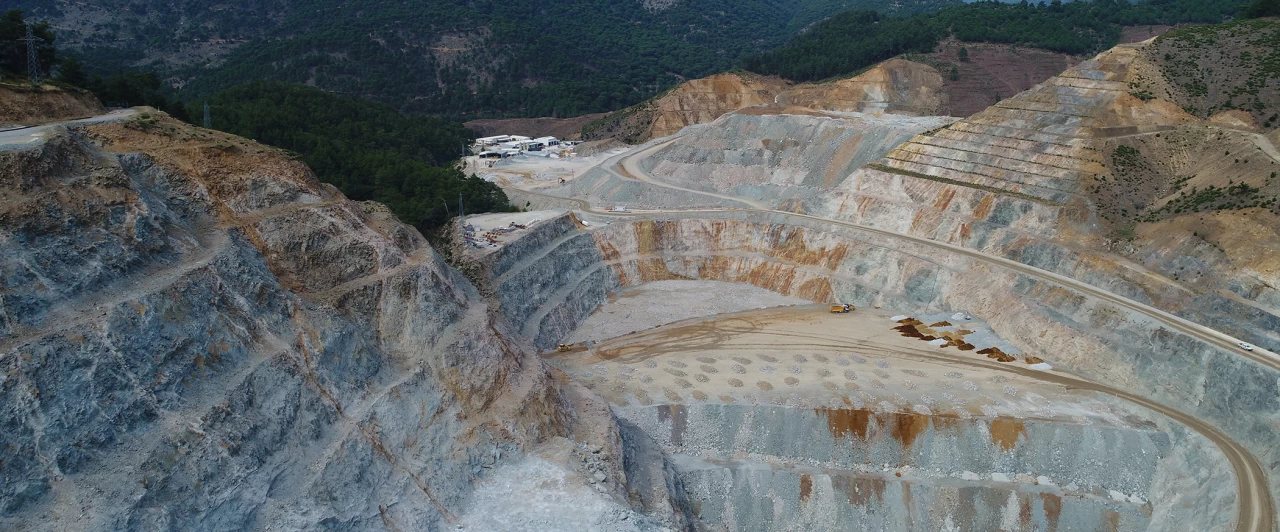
(658, 303)
(485, 223)
(806, 357)
(532, 173)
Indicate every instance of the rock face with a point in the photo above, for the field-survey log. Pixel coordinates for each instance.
(561, 271)
(197, 335)
(22, 105)
(695, 102)
(895, 86)
(758, 148)
(1078, 176)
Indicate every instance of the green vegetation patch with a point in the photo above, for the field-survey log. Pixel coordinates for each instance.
(855, 39)
(1211, 198)
(369, 151)
(1224, 67)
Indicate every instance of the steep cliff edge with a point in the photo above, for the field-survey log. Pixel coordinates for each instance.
(196, 334)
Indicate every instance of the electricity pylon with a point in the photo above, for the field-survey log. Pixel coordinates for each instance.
(33, 57)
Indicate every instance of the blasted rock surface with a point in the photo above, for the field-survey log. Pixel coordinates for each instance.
(826, 263)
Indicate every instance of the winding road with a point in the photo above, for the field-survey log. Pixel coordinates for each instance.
(1256, 510)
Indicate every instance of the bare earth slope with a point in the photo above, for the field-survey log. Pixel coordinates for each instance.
(23, 105)
(197, 335)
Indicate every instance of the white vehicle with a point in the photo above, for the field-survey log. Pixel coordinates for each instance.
(1246, 346)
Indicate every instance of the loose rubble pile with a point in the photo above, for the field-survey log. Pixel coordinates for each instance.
(488, 238)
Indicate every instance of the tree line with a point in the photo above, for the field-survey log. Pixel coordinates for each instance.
(853, 40)
(368, 150)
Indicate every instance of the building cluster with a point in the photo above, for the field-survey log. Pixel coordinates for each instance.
(503, 146)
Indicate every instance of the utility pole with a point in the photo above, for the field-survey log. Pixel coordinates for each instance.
(208, 120)
(446, 208)
(33, 58)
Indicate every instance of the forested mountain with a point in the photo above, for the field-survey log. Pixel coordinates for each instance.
(454, 57)
(853, 40)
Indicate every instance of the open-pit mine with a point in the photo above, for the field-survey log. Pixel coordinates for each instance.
(851, 316)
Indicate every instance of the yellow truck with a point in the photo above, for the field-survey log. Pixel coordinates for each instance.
(841, 309)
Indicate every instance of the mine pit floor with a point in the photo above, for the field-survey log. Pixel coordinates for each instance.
(806, 357)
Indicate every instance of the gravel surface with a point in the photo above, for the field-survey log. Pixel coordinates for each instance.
(662, 302)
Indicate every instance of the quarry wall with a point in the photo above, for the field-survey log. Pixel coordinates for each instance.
(825, 262)
(200, 336)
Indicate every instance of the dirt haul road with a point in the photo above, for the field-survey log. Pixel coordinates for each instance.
(1256, 513)
(708, 333)
(22, 137)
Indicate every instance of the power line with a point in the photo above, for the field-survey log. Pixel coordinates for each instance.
(33, 57)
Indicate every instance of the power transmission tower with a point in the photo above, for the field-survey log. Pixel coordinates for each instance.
(33, 58)
(208, 120)
(461, 213)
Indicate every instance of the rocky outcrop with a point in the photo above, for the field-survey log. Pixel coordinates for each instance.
(200, 336)
(23, 105)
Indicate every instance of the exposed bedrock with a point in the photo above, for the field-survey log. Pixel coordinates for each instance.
(200, 336)
(824, 262)
(1019, 180)
(773, 467)
(757, 150)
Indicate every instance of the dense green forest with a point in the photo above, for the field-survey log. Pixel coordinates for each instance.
(1263, 8)
(368, 150)
(459, 58)
(853, 40)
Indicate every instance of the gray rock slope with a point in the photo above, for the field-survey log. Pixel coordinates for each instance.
(195, 334)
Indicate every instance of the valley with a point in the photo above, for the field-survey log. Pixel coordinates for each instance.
(875, 302)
